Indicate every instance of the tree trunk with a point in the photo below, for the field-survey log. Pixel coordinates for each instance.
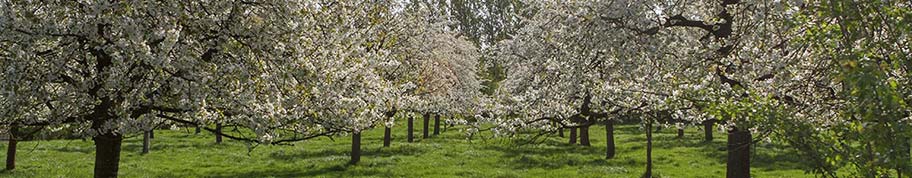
(218, 133)
(446, 126)
(560, 132)
(197, 130)
(708, 130)
(573, 135)
(680, 133)
(427, 118)
(584, 136)
(609, 138)
(107, 154)
(411, 129)
(152, 134)
(437, 124)
(11, 148)
(356, 148)
(648, 173)
(739, 143)
(147, 137)
(386, 137)
(906, 152)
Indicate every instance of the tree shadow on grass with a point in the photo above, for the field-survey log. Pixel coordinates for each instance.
(672, 142)
(782, 160)
(137, 146)
(405, 150)
(365, 152)
(553, 155)
(340, 170)
(72, 149)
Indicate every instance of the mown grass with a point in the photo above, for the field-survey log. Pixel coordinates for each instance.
(184, 154)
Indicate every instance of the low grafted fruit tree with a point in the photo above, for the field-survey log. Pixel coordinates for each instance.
(102, 68)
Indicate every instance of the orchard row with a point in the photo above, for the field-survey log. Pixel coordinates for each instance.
(828, 78)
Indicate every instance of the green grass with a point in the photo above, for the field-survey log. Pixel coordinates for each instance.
(183, 154)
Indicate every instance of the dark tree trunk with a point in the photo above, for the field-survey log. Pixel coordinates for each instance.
(906, 152)
(218, 133)
(560, 132)
(739, 143)
(708, 130)
(11, 154)
(147, 137)
(197, 130)
(584, 136)
(387, 137)
(648, 173)
(107, 154)
(573, 135)
(609, 138)
(411, 129)
(437, 124)
(356, 148)
(152, 134)
(681, 133)
(107, 143)
(11, 148)
(427, 119)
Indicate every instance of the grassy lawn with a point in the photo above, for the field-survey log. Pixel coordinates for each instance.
(184, 154)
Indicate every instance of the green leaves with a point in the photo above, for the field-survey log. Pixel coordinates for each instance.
(866, 126)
